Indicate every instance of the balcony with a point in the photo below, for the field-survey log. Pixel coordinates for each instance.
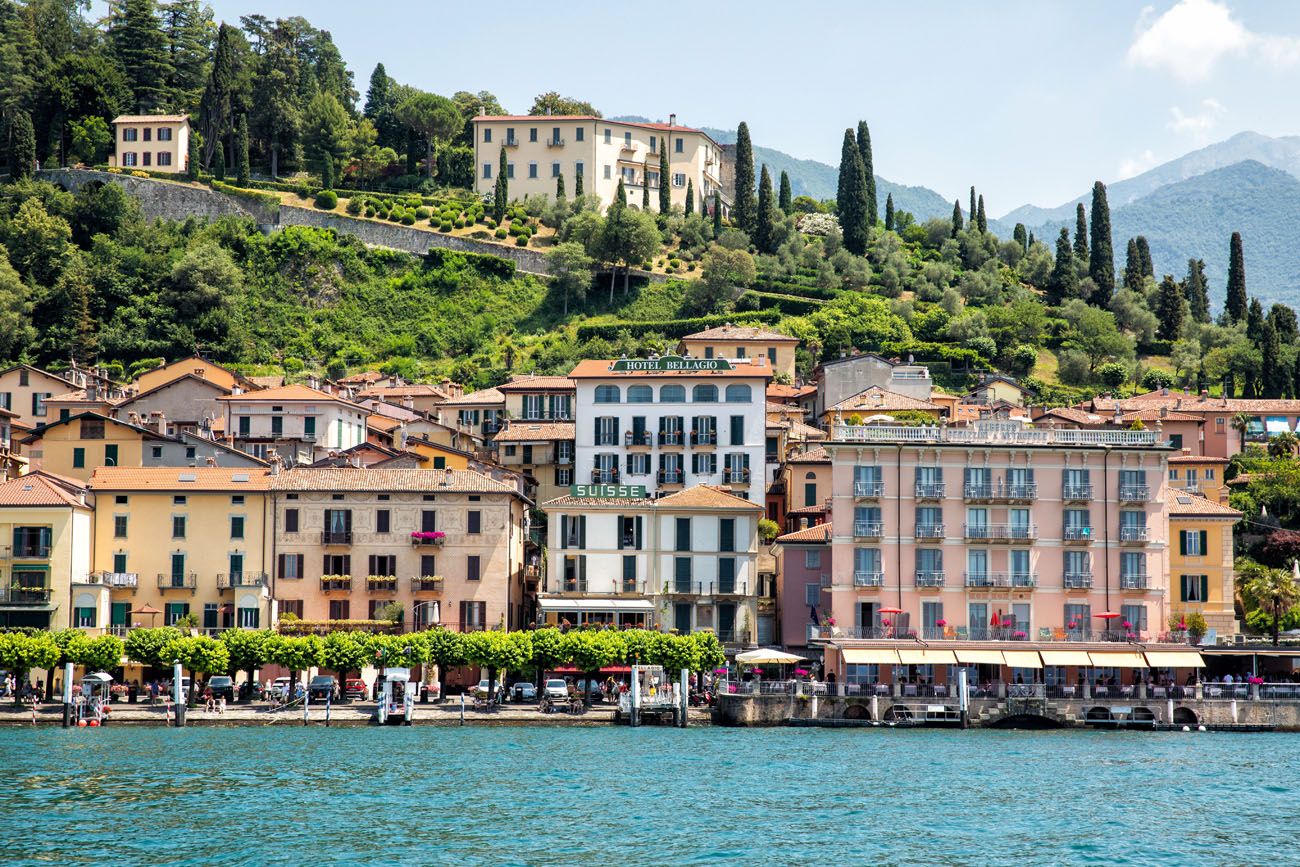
(555, 142)
(178, 580)
(708, 588)
(1078, 580)
(426, 584)
(977, 532)
(1077, 535)
(930, 491)
(1076, 493)
(510, 143)
(630, 587)
(669, 477)
(1134, 493)
(977, 493)
(241, 579)
(428, 537)
(704, 438)
(336, 537)
(1133, 535)
(929, 531)
(868, 529)
(929, 579)
(671, 438)
(868, 490)
(1017, 580)
(736, 477)
(868, 579)
(1006, 435)
(1012, 492)
(563, 460)
(1014, 532)
(638, 438)
(31, 552)
(1134, 582)
(628, 146)
(381, 583)
(331, 583)
(21, 594)
(604, 477)
(120, 580)
(490, 427)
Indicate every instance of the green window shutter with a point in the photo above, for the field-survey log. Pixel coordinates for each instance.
(1182, 542)
(619, 533)
(78, 457)
(564, 531)
(1205, 588)
(1204, 542)
(110, 455)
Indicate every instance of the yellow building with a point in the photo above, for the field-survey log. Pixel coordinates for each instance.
(875, 401)
(184, 541)
(45, 528)
(159, 142)
(75, 446)
(24, 390)
(227, 379)
(436, 456)
(744, 341)
(1201, 560)
(1199, 474)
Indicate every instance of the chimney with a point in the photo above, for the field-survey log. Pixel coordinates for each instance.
(158, 422)
(1164, 410)
(408, 402)
(211, 461)
(672, 119)
(1164, 392)
(92, 390)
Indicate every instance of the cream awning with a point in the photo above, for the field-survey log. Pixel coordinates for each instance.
(1118, 659)
(1175, 659)
(595, 604)
(980, 657)
(1022, 658)
(869, 655)
(1065, 657)
(926, 657)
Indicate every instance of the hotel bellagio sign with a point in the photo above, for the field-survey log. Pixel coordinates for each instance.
(669, 364)
(620, 492)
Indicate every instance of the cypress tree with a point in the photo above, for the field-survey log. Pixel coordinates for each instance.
(1295, 378)
(742, 208)
(690, 196)
(1031, 241)
(1169, 309)
(1081, 234)
(501, 190)
(957, 222)
(645, 184)
(763, 230)
(717, 214)
(971, 213)
(326, 171)
(22, 153)
(219, 164)
(559, 186)
(851, 200)
(665, 181)
(869, 170)
(1132, 266)
(242, 171)
(620, 195)
(1101, 258)
(1063, 280)
(889, 212)
(1275, 376)
(1144, 252)
(1197, 292)
(784, 198)
(1255, 322)
(980, 220)
(1018, 235)
(577, 184)
(1235, 304)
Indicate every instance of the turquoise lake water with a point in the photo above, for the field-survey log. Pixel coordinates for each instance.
(646, 796)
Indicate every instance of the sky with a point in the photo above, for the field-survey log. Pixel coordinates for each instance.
(1029, 101)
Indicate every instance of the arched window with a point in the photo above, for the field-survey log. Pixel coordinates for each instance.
(607, 394)
(640, 394)
(739, 394)
(811, 476)
(704, 394)
(672, 394)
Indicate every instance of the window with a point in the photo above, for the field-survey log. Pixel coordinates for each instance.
(289, 566)
(110, 455)
(737, 430)
(175, 611)
(606, 430)
(510, 451)
(487, 133)
(38, 403)
(627, 139)
(178, 526)
(607, 394)
(577, 168)
(739, 394)
(555, 170)
(78, 457)
(428, 521)
(237, 500)
(563, 476)
(1195, 588)
(638, 464)
(580, 134)
(683, 535)
(148, 134)
(608, 171)
(810, 493)
(510, 170)
(672, 394)
(1191, 543)
(127, 135)
(812, 559)
(164, 134)
(190, 452)
(510, 135)
(290, 606)
(382, 564)
(726, 534)
(533, 406)
(680, 146)
(383, 521)
(84, 617)
(92, 428)
(474, 522)
(704, 463)
(472, 568)
(555, 135)
(119, 527)
(654, 144)
(340, 609)
(128, 158)
(164, 158)
(245, 426)
(147, 156)
(291, 520)
(704, 394)
(679, 179)
(473, 616)
(236, 526)
(487, 171)
(640, 394)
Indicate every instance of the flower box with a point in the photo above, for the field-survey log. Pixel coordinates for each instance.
(381, 582)
(421, 537)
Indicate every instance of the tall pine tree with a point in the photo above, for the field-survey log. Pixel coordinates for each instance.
(242, 169)
(717, 214)
(186, 26)
(577, 183)
(868, 169)
(1081, 234)
(889, 212)
(1170, 310)
(1144, 252)
(1020, 237)
(971, 213)
(1234, 306)
(1101, 258)
(1197, 291)
(690, 196)
(645, 184)
(501, 189)
(765, 225)
(1255, 322)
(140, 49)
(217, 106)
(22, 153)
(559, 187)
(981, 221)
(1064, 280)
(957, 222)
(665, 180)
(743, 211)
(1132, 266)
(784, 199)
(851, 197)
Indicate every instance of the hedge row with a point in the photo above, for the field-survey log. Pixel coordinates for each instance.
(800, 290)
(923, 351)
(788, 304)
(675, 327)
(488, 266)
(265, 199)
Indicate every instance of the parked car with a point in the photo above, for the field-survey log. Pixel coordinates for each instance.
(324, 686)
(556, 689)
(355, 688)
(524, 691)
(222, 686)
(281, 688)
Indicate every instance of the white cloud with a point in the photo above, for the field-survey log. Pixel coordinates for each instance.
(1191, 37)
(1199, 123)
(1134, 166)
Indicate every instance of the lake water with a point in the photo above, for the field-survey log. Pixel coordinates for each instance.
(651, 795)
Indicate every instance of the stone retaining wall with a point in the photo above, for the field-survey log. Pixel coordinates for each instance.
(164, 200)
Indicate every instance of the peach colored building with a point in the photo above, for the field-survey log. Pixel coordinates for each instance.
(158, 142)
(743, 341)
(1218, 437)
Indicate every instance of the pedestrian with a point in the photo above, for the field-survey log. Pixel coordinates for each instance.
(153, 691)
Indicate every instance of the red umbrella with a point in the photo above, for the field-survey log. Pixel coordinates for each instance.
(1107, 615)
(891, 611)
(996, 619)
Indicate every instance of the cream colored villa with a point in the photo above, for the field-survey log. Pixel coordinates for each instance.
(539, 149)
(160, 143)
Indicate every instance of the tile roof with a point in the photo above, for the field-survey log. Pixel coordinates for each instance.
(1197, 459)
(422, 481)
(42, 489)
(1158, 414)
(1183, 504)
(476, 398)
(38, 433)
(288, 392)
(180, 479)
(817, 534)
(150, 118)
(267, 381)
(169, 383)
(418, 389)
(535, 383)
(382, 423)
(778, 391)
(1072, 414)
(749, 368)
(815, 455)
(1184, 402)
(741, 332)
(877, 398)
(364, 376)
(819, 509)
(801, 431)
(79, 396)
(542, 119)
(530, 431)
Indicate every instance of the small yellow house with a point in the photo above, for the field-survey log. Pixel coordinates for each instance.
(75, 446)
(192, 366)
(45, 540)
(1201, 560)
(184, 540)
(1201, 474)
(744, 341)
(160, 142)
(436, 456)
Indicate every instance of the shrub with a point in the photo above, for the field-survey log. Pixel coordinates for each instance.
(396, 215)
(521, 241)
(304, 193)
(327, 200)
(421, 213)
(460, 223)
(354, 207)
(674, 262)
(408, 219)
(370, 212)
(444, 226)
(1155, 379)
(139, 174)
(690, 267)
(490, 223)
(500, 233)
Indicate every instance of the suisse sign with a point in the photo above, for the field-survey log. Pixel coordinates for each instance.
(669, 364)
(608, 491)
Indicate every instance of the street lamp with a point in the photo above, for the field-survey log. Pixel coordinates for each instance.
(437, 613)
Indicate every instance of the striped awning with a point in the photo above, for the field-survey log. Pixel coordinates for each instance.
(1175, 659)
(869, 655)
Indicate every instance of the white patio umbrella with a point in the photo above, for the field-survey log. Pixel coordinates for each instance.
(766, 656)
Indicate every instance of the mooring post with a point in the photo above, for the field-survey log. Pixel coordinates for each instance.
(178, 695)
(462, 708)
(963, 698)
(67, 695)
(636, 699)
(685, 695)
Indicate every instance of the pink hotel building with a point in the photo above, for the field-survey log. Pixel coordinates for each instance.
(994, 533)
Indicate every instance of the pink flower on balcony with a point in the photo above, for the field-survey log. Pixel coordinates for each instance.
(1019, 636)
(941, 623)
(434, 536)
(801, 672)
(1127, 625)
(1072, 625)
(884, 623)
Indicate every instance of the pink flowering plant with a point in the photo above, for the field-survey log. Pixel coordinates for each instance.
(432, 537)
